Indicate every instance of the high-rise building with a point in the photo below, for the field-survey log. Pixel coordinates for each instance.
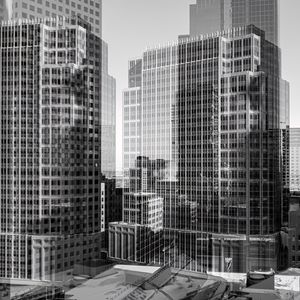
(132, 133)
(207, 16)
(103, 91)
(52, 198)
(294, 159)
(108, 118)
(216, 15)
(210, 141)
(132, 117)
(89, 10)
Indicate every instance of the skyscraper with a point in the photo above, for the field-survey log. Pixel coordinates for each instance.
(52, 214)
(89, 10)
(210, 132)
(216, 15)
(85, 220)
(294, 159)
(108, 118)
(131, 133)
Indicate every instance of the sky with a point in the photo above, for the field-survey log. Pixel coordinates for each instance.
(129, 26)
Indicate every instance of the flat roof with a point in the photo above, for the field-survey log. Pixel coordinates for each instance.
(112, 284)
(137, 268)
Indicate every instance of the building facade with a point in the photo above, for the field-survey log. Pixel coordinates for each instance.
(52, 197)
(132, 118)
(294, 134)
(131, 134)
(216, 15)
(108, 118)
(210, 134)
(294, 230)
(89, 10)
(113, 205)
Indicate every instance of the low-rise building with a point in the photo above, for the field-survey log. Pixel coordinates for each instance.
(149, 282)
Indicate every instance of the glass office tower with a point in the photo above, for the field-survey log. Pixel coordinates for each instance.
(108, 118)
(210, 148)
(91, 12)
(52, 214)
(216, 15)
(101, 116)
(294, 159)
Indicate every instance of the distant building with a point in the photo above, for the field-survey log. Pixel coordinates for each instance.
(145, 209)
(207, 16)
(119, 179)
(108, 118)
(132, 122)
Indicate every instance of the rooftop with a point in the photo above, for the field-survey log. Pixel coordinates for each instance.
(148, 282)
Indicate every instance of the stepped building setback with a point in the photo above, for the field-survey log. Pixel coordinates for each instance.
(209, 144)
